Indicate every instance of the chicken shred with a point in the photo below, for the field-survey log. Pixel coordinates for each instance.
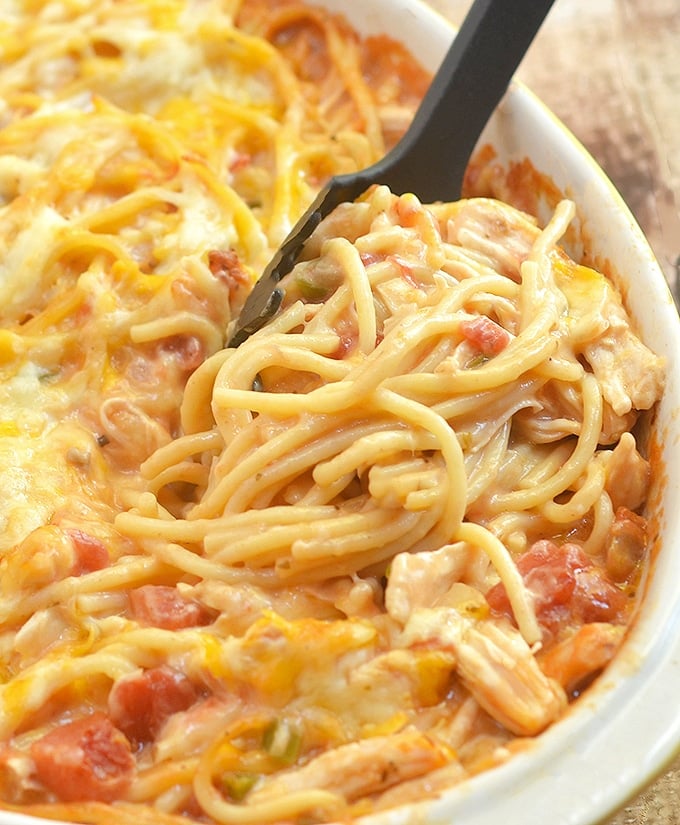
(361, 768)
(419, 579)
(495, 664)
(631, 376)
(627, 474)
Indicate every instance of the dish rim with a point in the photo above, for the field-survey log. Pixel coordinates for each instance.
(649, 662)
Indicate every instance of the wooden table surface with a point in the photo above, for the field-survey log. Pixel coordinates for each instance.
(610, 70)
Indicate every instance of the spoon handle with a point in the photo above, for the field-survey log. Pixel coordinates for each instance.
(431, 158)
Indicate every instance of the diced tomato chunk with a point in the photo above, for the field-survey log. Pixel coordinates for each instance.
(368, 258)
(140, 703)
(87, 759)
(485, 335)
(90, 553)
(550, 572)
(158, 605)
(568, 589)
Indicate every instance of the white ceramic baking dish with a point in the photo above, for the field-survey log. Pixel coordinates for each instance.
(626, 728)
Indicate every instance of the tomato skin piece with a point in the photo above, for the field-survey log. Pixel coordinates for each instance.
(139, 704)
(157, 605)
(87, 759)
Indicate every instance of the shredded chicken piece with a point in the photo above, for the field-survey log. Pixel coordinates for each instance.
(456, 730)
(187, 731)
(240, 606)
(359, 598)
(495, 664)
(421, 788)
(43, 630)
(499, 669)
(494, 230)
(361, 768)
(420, 579)
(583, 655)
(354, 597)
(627, 474)
(631, 376)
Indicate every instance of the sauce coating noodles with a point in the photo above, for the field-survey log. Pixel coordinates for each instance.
(369, 553)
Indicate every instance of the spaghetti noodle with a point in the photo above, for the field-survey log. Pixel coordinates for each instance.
(361, 557)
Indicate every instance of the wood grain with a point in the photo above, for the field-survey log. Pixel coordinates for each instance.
(610, 70)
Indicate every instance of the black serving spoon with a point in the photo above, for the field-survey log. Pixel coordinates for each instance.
(431, 158)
